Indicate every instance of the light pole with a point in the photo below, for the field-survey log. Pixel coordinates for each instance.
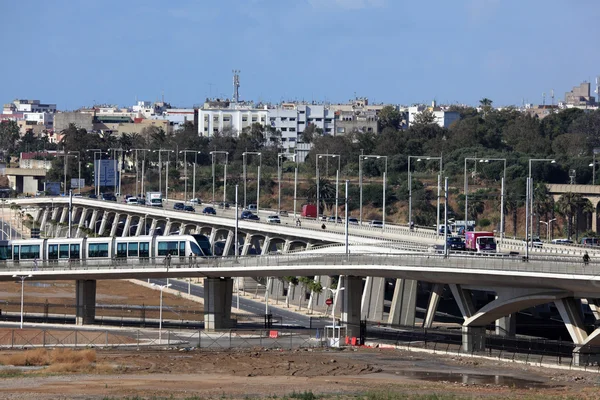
(530, 216)
(366, 156)
(295, 155)
(424, 158)
(66, 155)
(161, 287)
(117, 165)
(337, 181)
(185, 198)
(137, 176)
(160, 151)
(22, 277)
(244, 162)
(548, 226)
(97, 173)
(213, 154)
(487, 160)
(78, 169)
(279, 173)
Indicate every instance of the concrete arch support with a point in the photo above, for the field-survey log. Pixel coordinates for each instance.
(404, 302)
(570, 312)
(434, 300)
(372, 299)
(352, 295)
(218, 294)
(463, 300)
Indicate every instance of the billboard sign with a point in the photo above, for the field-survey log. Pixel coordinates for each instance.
(52, 188)
(77, 183)
(105, 173)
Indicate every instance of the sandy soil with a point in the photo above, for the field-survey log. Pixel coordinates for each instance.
(263, 373)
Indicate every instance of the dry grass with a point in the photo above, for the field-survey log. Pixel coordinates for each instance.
(57, 360)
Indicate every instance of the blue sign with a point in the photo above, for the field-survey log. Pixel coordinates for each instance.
(105, 173)
(52, 188)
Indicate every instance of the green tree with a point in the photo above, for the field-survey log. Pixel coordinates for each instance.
(567, 206)
(9, 135)
(543, 203)
(389, 117)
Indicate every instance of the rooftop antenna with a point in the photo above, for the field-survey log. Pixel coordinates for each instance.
(597, 91)
(552, 96)
(544, 99)
(236, 85)
(163, 95)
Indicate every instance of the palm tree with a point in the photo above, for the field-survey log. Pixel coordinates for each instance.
(486, 105)
(326, 193)
(584, 206)
(567, 206)
(543, 203)
(511, 206)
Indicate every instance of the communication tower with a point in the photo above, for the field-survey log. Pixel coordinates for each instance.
(236, 85)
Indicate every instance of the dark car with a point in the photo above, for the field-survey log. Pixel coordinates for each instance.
(141, 200)
(455, 243)
(92, 196)
(178, 206)
(248, 215)
(109, 197)
(223, 205)
(209, 210)
(189, 208)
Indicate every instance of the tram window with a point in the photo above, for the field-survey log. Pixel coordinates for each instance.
(132, 250)
(165, 248)
(5, 253)
(96, 250)
(121, 250)
(16, 252)
(63, 251)
(53, 252)
(182, 248)
(144, 249)
(75, 251)
(30, 252)
(196, 249)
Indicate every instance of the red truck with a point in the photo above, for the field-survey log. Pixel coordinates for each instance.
(480, 242)
(309, 211)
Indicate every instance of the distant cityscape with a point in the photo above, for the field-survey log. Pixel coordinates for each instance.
(231, 116)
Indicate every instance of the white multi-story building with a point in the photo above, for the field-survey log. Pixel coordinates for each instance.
(442, 117)
(33, 106)
(233, 118)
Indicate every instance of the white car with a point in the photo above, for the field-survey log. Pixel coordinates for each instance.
(195, 201)
(273, 219)
(132, 200)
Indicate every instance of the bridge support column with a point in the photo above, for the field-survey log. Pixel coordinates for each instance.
(404, 302)
(85, 301)
(167, 228)
(64, 215)
(247, 244)
(507, 326)
(372, 299)
(44, 220)
(473, 338)
(153, 227)
(594, 305)
(265, 246)
(81, 223)
(103, 222)
(570, 312)
(93, 218)
(351, 296)
(434, 300)
(218, 293)
(287, 245)
(213, 234)
(228, 243)
(140, 226)
(126, 226)
(55, 213)
(464, 301)
(115, 225)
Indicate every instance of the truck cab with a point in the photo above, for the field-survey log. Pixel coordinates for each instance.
(480, 242)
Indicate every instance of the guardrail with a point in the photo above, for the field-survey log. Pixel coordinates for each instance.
(488, 262)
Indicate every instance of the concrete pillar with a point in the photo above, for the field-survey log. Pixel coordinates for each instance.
(198, 230)
(44, 219)
(228, 244)
(372, 299)
(218, 293)
(85, 301)
(64, 215)
(153, 226)
(506, 326)
(286, 246)
(595, 221)
(464, 301)
(182, 228)
(168, 227)
(140, 226)
(126, 226)
(105, 215)
(213, 234)
(247, 244)
(265, 246)
(351, 296)
(404, 302)
(92, 224)
(55, 213)
(473, 338)
(594, 307)
(115, 225)
(434, 300)
(570, 312)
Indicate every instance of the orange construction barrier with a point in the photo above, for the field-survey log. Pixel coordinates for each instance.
(273, 334)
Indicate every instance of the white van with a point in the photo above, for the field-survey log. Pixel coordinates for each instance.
(562, 241)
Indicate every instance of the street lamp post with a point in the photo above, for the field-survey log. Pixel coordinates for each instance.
(141, 187)
(487, 160)
(422, 158)
(161, 287)
(97, 178)
(66, 155)
(362, 157)
(22, 277)
(117, 169)
(213, 154)
(279, 173)
(337, 181)
(160, 151)
(530, 216)
(185, 198)
(548, 226)
(244, 160)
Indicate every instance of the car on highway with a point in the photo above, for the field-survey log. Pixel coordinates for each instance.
(249, 215)
(252, 207)
(195, 201)
(273, 219)
(189, 209)
(109, 197)
(352, 221)
(223, 205)
(178, 206)
(331, 218)
(537, 242)
(376, 224)
(209, 210)
(562, 241)
(132, 201)
(455, 243)
(283, 213)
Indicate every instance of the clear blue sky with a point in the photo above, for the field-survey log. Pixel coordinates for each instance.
(76, 52)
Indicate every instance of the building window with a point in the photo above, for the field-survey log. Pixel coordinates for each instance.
(292, 129)
(292, 139)
(254, 118)
(318, 119)
(328, 130)
(301, 112)
(292, 118)
(284, 118)
(272, 119)
(244, 118)
(328, 120)
(283, 129)
(341, 130)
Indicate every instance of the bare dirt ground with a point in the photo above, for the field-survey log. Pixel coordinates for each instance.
(261, 373)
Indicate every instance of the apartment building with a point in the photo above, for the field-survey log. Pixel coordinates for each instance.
(223, 116)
